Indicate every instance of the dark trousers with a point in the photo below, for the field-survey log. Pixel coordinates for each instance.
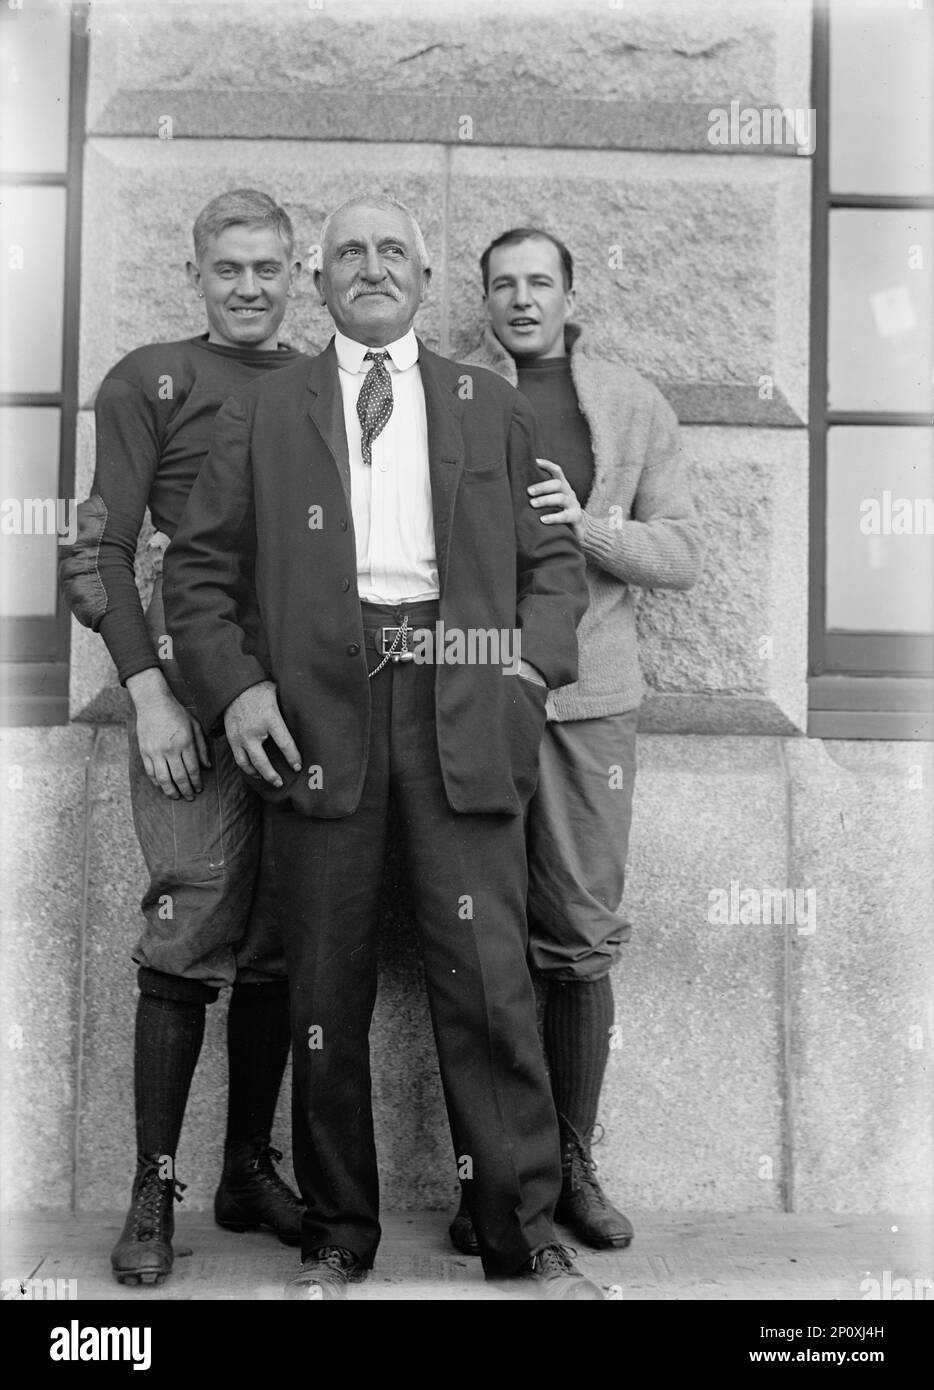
(469, 880)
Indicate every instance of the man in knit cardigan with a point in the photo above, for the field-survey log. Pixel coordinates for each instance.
(618, 479)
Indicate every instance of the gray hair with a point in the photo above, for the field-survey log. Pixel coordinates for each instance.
(242, 207)
(377, 200)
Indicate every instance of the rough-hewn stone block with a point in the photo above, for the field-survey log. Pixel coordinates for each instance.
(863, 1042)
(730, 655)
(541, 72)
(692, 270)
(693, 1098)
(43, 775)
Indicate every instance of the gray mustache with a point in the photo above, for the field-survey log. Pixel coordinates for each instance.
(357, 293)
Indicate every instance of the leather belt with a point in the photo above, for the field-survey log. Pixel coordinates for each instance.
(393, 640)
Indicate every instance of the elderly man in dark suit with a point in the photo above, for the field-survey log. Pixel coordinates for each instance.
(364, 599)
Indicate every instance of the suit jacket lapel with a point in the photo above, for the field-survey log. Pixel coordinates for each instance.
(443, 408)
(325, 407)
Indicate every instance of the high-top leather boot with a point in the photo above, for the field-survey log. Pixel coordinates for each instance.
(583, 1205)
(251, 1193)
(143, 1254)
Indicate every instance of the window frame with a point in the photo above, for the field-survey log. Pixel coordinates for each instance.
(860, 685)
(35, 651)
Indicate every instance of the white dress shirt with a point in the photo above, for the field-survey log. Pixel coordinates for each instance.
(391, 500)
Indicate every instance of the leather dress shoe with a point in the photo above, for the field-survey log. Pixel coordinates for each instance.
(325, 1275)
(551, 1274)
(462, 1232)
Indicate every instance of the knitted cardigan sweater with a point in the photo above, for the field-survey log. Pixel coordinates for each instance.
(640, 527)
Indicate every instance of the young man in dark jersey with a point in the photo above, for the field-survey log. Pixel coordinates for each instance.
(615, 474)
(210, 910)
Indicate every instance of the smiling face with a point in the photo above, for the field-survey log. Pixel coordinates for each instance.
(245, 277)
(371, 278)
(526, 301)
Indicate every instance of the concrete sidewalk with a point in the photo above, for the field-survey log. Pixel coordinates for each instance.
(688, 1256)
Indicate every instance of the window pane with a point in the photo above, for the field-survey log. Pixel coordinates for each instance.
(34, 58)
(880, 310)
(880, 529)
(881, 83)
(31, 514)
(32, 284)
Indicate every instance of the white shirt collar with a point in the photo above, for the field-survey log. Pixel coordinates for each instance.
(403, 353)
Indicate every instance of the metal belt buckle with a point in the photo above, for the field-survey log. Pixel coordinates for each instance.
(390, 635)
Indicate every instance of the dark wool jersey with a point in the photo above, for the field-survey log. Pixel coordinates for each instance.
(564, 433)
(154, 413)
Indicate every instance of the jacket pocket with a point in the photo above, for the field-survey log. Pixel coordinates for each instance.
(484, 469)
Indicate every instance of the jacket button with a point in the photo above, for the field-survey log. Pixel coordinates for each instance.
(353, 649)
(345, 585)
(343, 523)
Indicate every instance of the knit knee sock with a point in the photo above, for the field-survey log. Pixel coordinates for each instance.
(578, 1018)
(257, 1048)
(169, 1033)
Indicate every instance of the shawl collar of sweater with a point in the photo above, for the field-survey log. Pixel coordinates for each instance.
(612, 399)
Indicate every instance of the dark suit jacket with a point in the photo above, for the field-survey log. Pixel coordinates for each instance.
(254, 590)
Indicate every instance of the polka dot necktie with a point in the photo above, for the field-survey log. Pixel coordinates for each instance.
(374, 403)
